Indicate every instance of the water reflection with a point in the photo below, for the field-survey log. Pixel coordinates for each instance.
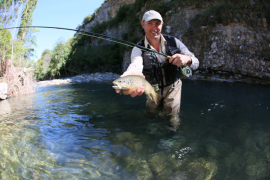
(86, 131)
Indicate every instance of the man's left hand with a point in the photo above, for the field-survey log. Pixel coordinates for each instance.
(180, 60)
(131, 92)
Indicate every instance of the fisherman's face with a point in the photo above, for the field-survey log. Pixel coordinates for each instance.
(152, 28)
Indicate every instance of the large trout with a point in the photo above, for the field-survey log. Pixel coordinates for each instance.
(133, 82)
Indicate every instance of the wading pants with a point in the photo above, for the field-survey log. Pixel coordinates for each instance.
(170, 100)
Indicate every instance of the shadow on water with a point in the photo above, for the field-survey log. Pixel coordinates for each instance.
(87, 131)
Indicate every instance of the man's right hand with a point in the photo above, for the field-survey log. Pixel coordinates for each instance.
(180, 59)
(131, 92)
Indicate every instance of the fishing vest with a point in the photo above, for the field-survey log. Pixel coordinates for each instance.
(155, 73)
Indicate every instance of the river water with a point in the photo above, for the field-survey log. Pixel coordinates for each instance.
(87, 131)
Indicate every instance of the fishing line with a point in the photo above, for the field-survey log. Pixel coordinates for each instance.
(186, 70)
(96, 35)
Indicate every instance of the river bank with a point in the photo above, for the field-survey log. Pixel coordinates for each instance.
(109, 77)
(81, 78)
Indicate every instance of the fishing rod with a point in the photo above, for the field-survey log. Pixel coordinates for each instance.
(96, 35)
(186, 70)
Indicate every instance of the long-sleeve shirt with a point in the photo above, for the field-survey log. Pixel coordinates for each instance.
(137, 60)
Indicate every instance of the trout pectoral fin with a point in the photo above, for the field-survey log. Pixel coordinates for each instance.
(121, 91)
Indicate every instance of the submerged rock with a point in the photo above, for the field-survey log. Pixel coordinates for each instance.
(158, 129)
(124, 136)
(200, 169)
(258, 170)
(157, 162)
(138, 146)
(137, 167)
(128, 140)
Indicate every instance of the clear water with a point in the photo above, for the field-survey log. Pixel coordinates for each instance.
(87, 131)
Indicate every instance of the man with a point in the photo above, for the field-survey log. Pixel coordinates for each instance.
(154, 67)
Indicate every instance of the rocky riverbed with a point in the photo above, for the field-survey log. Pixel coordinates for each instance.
(100, 77)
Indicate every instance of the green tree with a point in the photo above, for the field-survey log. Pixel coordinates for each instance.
(5, 49)
(25, 34)
(5, 44)
(13, 13)
(38, 69)
(59, 58)
(46, 56)
(26, 19)
(10, 9)
(42, 65)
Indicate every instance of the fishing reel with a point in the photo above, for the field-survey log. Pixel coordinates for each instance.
(186, 71)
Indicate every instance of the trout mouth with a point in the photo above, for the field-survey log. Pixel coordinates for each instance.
(116, 86)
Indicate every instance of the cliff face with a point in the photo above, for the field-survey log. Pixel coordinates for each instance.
(236, 51)
(107, 11)
(231, 52)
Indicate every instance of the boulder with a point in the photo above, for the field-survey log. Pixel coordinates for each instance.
(3, 90)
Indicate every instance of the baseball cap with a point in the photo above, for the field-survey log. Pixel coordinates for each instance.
(149, 15)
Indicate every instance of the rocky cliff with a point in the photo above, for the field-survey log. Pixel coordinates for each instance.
(108, 10)
(231, 39)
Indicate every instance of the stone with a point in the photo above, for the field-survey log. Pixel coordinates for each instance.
(135, 164)
(157, 162)
(138, 146)
(168, 29)
(3, 90)
(124, 136)
(200, 169)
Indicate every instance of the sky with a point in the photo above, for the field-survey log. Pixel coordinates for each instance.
(59, 13)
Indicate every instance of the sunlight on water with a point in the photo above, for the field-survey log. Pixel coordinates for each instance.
(87, 131)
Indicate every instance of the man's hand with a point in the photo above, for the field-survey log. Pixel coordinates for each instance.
(180, 60)
(140, 89)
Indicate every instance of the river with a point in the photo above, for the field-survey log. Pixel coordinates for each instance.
(87, 131)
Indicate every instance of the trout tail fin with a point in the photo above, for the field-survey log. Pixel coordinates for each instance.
(153, 95)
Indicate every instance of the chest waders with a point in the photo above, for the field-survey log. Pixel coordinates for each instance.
(161, 75)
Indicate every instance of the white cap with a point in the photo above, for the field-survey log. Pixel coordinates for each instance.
(149, 15)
